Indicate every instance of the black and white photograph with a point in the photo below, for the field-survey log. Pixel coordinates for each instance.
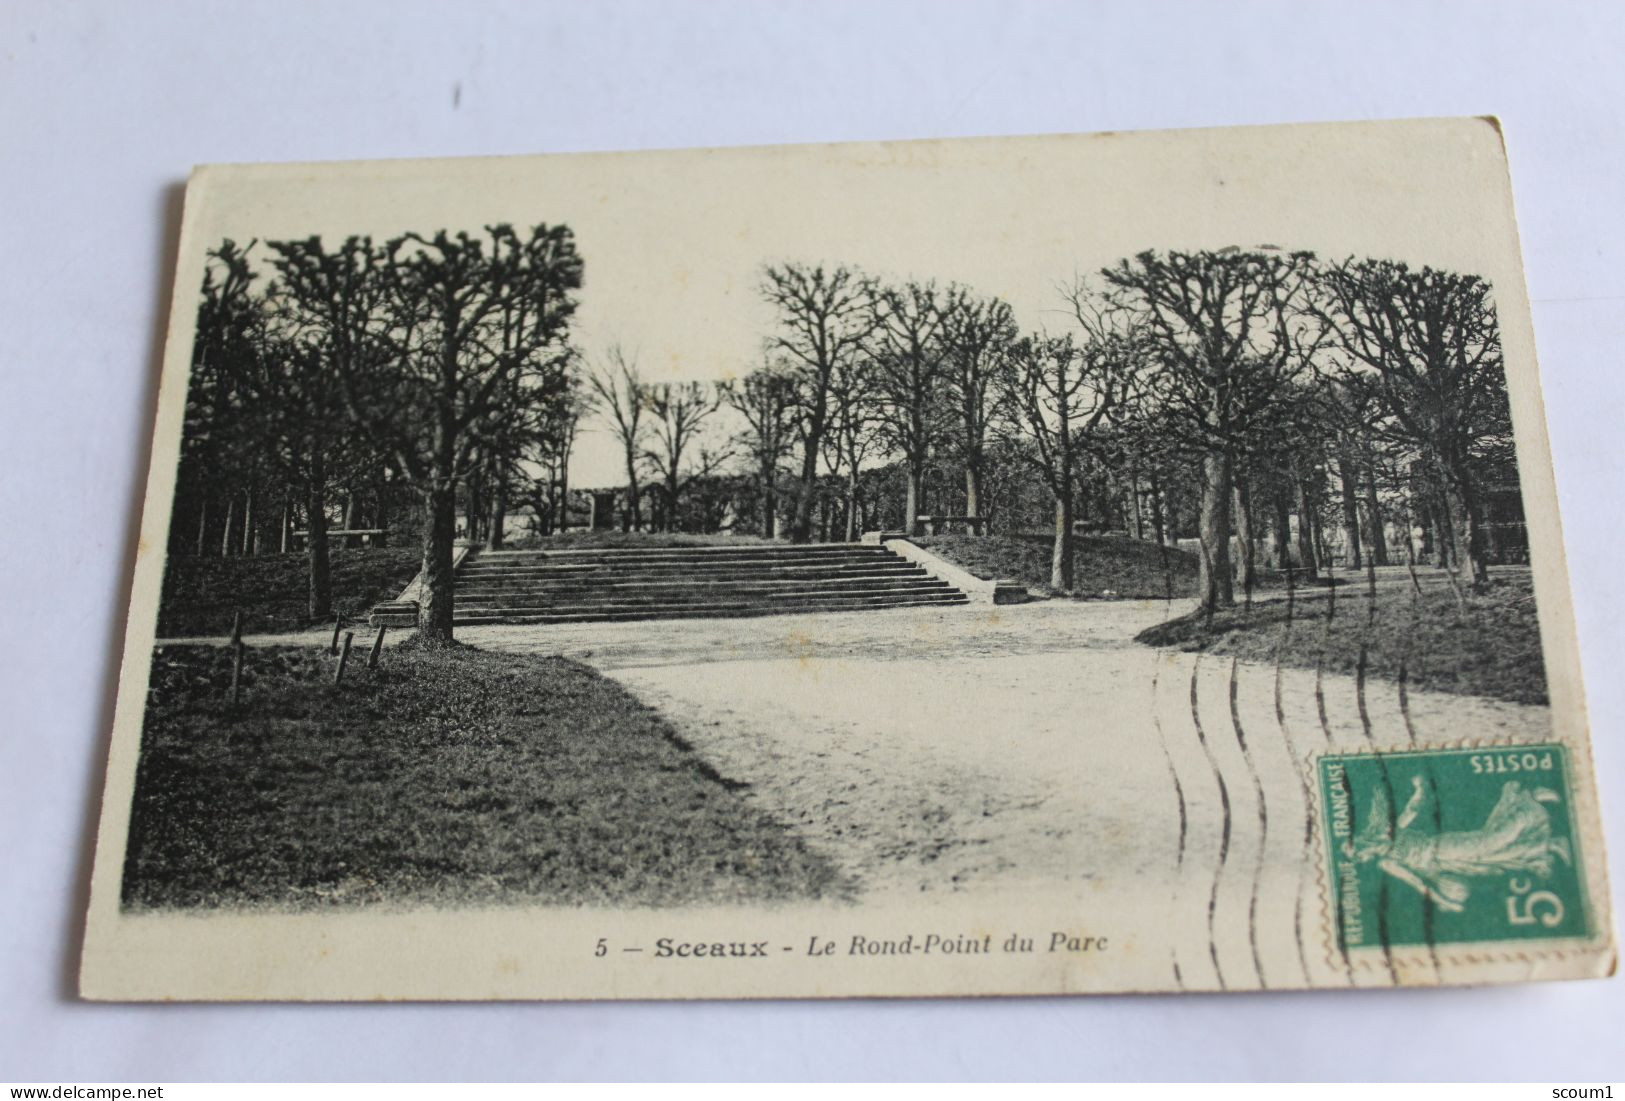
(709, 541)
(857, 566)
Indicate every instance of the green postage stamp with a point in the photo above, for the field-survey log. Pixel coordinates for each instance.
(1452, 846)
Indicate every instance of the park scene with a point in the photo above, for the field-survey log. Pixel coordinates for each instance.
(927, 598)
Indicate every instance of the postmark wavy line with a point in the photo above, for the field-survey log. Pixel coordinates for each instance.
(1435, 808)
(1224, 826)
(1306, 851)
(1326, 733)
(1263, 825)
(1176, 895)
(1384, 891)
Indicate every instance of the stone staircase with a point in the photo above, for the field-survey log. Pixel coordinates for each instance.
(574, 586)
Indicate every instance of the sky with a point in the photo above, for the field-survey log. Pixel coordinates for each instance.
(674, 242)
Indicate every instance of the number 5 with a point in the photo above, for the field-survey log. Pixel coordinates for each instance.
(603, 945)
(1527, 915)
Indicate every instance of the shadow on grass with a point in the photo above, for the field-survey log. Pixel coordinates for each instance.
(447, 777)
(1490, 647)
(273, 590)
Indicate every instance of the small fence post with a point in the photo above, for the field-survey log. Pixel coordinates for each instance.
(338, 623)
(377, 646)
(344, 656)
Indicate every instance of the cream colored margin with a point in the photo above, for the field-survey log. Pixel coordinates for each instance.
(1427, 191)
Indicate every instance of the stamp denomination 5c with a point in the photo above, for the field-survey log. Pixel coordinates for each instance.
(1452, 846)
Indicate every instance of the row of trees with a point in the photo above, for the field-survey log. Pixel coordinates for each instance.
(407, 370)
(1248, 397)
(1246, 380)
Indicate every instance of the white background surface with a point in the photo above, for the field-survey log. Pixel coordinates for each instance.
(104, 107)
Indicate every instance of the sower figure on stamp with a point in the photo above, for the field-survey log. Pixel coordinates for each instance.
(1516, 837)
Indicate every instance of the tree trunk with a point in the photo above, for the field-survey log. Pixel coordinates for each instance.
(499, 511)
(1244, 536)
(1213, 577)
(851, 505)
(973, 494)
(1478, 549)
(1307, 558)
(1062, 576)
(1443, 534)
(1134, 505)
(1376, 531)
(202, 524)
(320, 588)
(382, 520)
(801, 518)
(1347, 476)
(225, 536)
(1283, 530)
(350, 521)
(1156, 510)
(439, 540)
(248, 523)
(1486, 531)
(911, 505)
(1466, 529)
(770, 506)
(564, 491)
(633, 520)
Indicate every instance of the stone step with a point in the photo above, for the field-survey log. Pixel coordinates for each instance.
(715, 569)
(710, 548)
(669, 582)
(695, 611)
(699, 595)
(681, 554)
(623, 600)
(635, 600)
(745, 581)
(775, 562)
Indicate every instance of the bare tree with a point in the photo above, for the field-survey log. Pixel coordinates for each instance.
(560, 439)
(910, 364)
(431, 389)
(824, 317)
(766, 400)
(330, 305)
(1226, 345)
(538, 436)
(622, 396)
(1058, 392)
(679, 411)
(1428, 344)
(853, 429)
(976, 331)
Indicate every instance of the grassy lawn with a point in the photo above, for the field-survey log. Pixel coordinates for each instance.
(200, 594)
(453, 777)
(1490, 648)
(1109, 567)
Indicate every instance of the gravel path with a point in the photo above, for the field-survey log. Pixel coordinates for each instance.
(975, 749)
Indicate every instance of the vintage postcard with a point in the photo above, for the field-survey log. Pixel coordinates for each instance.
(1121, 562)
